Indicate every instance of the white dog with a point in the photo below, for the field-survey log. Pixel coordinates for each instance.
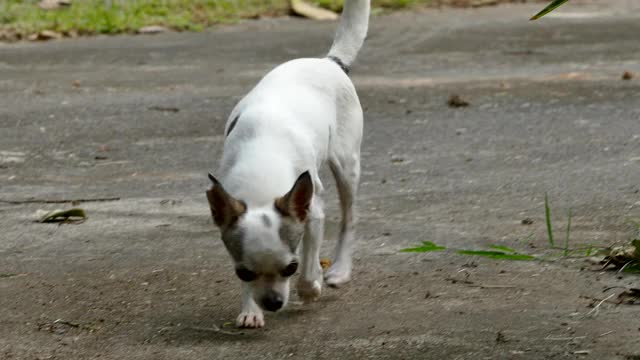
(301, 115)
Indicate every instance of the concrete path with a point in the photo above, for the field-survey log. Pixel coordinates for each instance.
(140, 119)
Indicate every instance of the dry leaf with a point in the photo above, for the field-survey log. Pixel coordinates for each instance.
(629, 297)
(325, 263)
(152, 29)
(309, 11)
(455, 101)
(53, 4)
(71, 215)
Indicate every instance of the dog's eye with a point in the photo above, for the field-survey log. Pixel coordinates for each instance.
(289, 270)
(245, 274)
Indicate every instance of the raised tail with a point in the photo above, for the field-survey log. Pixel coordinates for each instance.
(352, 30)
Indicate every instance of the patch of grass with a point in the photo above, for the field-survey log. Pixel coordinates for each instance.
(114, 16)
(547, 215)
(24, 17)
(498, 252)
(589, 250)
(426, 246)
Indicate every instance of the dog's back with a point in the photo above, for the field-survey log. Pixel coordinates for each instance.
(302, 108)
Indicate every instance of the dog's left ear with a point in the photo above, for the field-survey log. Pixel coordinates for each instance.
(225, 209)
(297, 201)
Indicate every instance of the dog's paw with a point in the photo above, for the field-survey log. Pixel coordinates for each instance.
(337, 275)
(309, 290)
(250, 319)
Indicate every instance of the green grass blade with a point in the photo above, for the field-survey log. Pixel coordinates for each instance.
(427, 246)
(589, 250)
(497, 255)
(554, 4)
(566, 239)
(547, 215)
(503, 248)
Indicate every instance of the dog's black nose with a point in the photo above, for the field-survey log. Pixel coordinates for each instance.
(272, 301)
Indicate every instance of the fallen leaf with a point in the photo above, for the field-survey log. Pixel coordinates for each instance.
(629, 297)
(45, 35)
(455, 101)
(325, 263)
(152, 29)
(309, 11)
(164, 108)
(53, 4)
(71, 215)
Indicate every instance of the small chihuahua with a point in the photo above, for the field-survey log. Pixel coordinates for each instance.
(302, 114)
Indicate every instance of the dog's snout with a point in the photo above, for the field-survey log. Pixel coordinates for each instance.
(272, 301)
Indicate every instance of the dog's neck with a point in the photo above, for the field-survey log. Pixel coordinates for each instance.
(259, 176)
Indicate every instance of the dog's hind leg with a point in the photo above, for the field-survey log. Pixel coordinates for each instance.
(310, 282)
(346, 172)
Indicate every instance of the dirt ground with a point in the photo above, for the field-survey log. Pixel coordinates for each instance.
(140, 119)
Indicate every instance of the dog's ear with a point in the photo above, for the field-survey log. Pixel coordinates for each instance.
(225, 209)
(297, 201)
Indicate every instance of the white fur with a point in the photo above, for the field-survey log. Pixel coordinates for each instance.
(352, 31)
(301, 115)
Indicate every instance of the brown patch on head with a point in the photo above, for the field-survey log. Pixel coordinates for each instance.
(297, 201)
(225, 209)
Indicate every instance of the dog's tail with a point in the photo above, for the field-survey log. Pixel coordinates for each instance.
(352, 30)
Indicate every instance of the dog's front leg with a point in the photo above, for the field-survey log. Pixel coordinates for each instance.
(251, 315)
(310, 282)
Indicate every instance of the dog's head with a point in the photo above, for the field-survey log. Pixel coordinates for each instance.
(262, 241)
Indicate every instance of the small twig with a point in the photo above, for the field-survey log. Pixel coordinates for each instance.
(613, 287)
(570, 338)
(579, 248)
(547, 216)
(60, 201)
(164, 108)
(625, 265)
(68, 323)
(11, 275)
(492, 286)
(596, 309)
(213, 328)
(582, 352)
(604, 267)
(605, 334)
(454, 281)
